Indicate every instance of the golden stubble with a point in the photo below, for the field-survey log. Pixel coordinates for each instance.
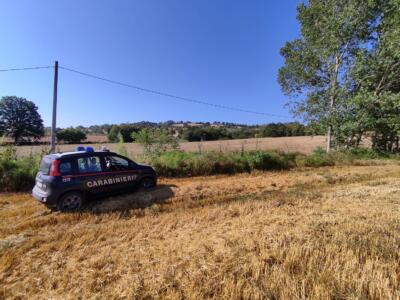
(311, 233)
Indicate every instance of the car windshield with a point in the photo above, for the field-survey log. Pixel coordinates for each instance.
(114, 163)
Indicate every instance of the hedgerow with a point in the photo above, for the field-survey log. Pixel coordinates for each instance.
(18, 173)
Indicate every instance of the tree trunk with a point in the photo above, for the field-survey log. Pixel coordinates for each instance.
(329, 139)
(358, 141)
(373, 140)
(332, 103)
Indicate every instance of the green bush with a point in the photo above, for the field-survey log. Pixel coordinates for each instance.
(171, 163)
(179, 164)
(155, 140)
(342, 158)
(121, 149)
(17, 173)
(262, 160)
(71, 135)
(317, 159)
(366, 153)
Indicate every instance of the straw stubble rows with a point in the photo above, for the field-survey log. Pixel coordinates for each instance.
(312, 233)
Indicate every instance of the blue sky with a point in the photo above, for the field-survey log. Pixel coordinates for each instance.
(221, 51)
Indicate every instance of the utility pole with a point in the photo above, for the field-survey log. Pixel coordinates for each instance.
(54, 121)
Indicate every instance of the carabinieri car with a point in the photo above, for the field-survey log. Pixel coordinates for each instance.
(65, 180)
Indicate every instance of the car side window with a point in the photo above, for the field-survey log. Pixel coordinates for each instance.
(116, 163)
(65, 168)
(89, 164)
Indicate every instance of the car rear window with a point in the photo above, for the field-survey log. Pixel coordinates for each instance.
(45, 165)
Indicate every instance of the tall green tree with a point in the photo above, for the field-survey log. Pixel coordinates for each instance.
(375, 101)
(316, 66)
(125, 130)
(112, 134)
(155, 140)
(19, 119)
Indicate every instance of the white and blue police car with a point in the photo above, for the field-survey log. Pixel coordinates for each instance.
(66, 179)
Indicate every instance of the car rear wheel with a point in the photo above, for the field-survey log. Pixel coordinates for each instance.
(70, 202)
(147, 183)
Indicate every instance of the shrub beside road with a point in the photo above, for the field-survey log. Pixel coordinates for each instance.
(17, 173)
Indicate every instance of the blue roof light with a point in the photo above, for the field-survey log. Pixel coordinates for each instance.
(89, 149)
(80, 148)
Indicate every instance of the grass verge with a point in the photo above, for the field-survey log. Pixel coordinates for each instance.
(184, 164)
(17, 173)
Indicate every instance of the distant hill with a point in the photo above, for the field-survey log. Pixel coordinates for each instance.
(196, 131)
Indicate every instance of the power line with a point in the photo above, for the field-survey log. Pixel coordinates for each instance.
(172, 96)
(25, 69)
(151, 91)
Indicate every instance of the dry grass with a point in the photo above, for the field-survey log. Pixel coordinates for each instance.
(326, 234)
(302, 144)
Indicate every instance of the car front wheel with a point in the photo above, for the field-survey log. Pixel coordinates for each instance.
(147, 183)
(70, 202)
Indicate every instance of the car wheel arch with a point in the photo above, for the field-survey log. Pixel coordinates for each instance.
(72, 191)
(147, 177)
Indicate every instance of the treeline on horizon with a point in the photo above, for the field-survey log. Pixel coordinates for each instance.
(192, 131)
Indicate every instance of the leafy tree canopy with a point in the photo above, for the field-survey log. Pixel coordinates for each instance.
(155, 140)
(71, 135)
(19, 119)
(125, 130)
(343, 71)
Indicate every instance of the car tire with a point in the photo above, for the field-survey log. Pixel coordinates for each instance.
(147, 183)
(70, 202)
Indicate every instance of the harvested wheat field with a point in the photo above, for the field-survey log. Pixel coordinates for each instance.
(301, 144)
(329, 233)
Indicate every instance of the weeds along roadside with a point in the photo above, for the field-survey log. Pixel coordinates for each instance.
(186, 164)
(17, 173)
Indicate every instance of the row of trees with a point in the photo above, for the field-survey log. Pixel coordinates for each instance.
(210, 133)
(343, 72)
(19, 119)
(214, 132)
(123, 131)
(71, 135)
